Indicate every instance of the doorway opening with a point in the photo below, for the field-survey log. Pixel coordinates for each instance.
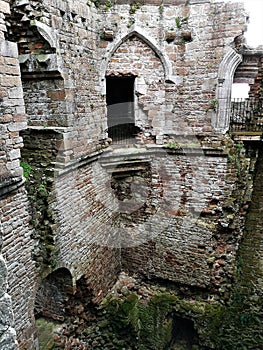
(120, 109)
(184, 335)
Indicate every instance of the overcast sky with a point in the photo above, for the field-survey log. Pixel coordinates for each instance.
(254, 35)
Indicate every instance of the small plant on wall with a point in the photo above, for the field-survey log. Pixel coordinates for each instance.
(108, 5)
(27, 169)
(178, 22)
(134, 7)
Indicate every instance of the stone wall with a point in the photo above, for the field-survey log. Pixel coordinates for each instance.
(72, 212)
(84, 208)
(17, 278)
(149, 85)
(176, 225)
(185, 224)
(190, 41)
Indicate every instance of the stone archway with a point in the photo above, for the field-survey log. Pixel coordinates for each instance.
(134, 57)
(52, 295)
(221, 118)
(139, 33)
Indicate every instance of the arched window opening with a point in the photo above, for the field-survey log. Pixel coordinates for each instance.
(135, 92)
(246, 100)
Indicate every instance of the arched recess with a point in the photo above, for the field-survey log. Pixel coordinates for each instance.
(53, 293)
(231, 60)
(136, 31)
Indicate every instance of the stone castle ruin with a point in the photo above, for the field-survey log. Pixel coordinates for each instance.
(131, 183)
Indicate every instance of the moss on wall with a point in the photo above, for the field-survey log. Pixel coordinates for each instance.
(149, 324)
(39, 173)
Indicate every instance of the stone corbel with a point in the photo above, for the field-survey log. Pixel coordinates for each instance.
(38, 64)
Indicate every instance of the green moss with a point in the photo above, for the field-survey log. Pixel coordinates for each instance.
(233, 327)
(44, 333)
(148, 324)
(108, 5)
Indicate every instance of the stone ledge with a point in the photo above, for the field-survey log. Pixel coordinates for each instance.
(136, 156)
(62, 169)
(11, 185)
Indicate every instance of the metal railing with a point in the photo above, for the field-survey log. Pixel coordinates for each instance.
(123, 133)
(246, 115)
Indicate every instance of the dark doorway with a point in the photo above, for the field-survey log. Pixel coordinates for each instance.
(120, 108)
(184, 336)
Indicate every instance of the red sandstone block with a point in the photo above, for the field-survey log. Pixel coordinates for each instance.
(38, 46)
(19, 117)
(56, 95)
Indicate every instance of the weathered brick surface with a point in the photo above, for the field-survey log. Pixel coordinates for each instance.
(181, 239)
(16, 244)
(17, 250)
(85, 207)
(149, 86)
(65, 50)
(73, 214)
(10, 174)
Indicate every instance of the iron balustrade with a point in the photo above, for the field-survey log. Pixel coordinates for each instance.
(246, 115)
(123, 133)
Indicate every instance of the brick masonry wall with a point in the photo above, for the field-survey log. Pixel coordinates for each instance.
(84, 207)
(193, 40)
(17, 268)
(186, 240)
(17, 251)
(71, 212)
(189, 40)
(45, 102)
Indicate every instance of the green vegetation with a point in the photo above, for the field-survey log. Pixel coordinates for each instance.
(172, 145)
(214, 104)
(45, 334)
(27, 169)
(178, 22)
(97, 3)
(131, 22)
(235, 326)
(108, 5)
(134, 7)
(144, 325)
(148, 324)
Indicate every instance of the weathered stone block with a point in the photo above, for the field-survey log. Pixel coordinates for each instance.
(4, 7)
